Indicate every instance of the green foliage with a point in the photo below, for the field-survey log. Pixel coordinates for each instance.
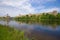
(7, 33)
(45, 17)
(48, 18)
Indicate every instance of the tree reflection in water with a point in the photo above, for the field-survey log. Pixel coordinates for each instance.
(41, 35)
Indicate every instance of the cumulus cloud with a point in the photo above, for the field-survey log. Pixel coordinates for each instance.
(23, 6)
(14, 2)
(15, 7)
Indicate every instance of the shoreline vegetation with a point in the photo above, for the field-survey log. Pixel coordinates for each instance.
(43, 18)
(7, 33)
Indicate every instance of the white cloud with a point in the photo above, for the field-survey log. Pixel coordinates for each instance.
(24, 6)
(14, 3)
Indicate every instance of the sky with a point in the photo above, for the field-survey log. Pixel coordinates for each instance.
(16, 7)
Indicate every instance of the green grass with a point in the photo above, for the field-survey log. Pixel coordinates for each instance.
(7, 33)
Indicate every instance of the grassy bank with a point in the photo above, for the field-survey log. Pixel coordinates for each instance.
(7, 33)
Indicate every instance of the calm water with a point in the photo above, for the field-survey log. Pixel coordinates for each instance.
(36, 31)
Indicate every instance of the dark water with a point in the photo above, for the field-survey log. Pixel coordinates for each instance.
(36, 31)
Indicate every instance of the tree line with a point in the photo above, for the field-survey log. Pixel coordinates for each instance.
(44, 17)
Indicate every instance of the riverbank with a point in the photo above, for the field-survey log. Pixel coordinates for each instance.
(42, 19)
(7, 33)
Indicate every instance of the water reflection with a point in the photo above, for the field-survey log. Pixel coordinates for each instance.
(52, 24)
(36, 30)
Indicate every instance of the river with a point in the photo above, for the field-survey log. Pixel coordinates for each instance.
(36, 31)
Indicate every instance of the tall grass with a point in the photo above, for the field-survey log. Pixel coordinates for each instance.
(7, 33)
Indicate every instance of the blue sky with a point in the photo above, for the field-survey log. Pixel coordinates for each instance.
(16, 7)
